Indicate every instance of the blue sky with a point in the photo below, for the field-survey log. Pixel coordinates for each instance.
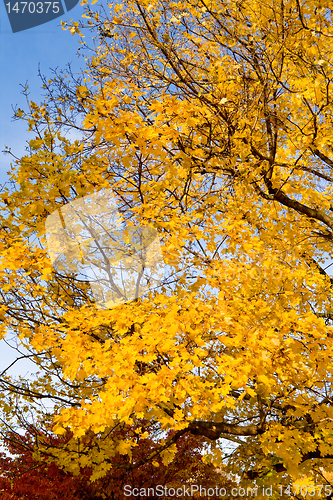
(20, 54)
(47, 46)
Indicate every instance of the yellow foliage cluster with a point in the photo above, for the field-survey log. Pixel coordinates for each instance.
(211, 122)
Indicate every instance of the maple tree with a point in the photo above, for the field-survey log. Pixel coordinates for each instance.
(24, 475)
(211, 123)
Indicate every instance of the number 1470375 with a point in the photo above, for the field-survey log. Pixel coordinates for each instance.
(32, 7)
(305, 490)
